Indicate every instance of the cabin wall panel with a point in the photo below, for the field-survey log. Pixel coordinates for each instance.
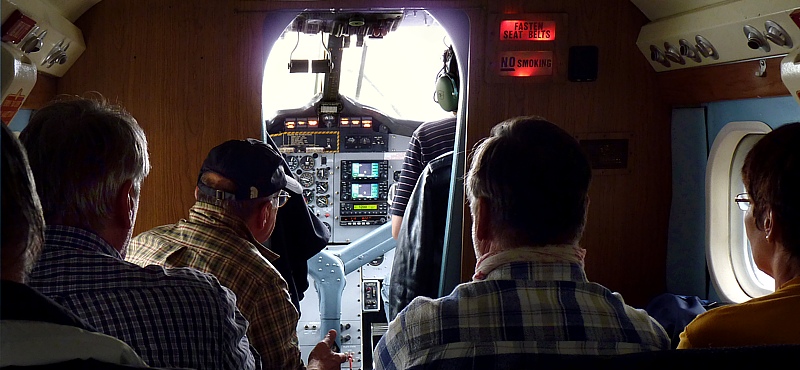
(694, 86)
(178, 68)
(191, 72)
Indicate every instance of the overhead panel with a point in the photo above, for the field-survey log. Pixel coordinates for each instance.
(723, 33)
(42, 34)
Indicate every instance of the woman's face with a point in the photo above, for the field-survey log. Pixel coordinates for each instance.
(762, 249)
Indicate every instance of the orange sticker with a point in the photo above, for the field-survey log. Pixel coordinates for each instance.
(10, 107)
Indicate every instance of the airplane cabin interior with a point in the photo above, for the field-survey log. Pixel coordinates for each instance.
(666, 99)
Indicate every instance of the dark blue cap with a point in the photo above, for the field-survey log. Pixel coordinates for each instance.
(255, 167)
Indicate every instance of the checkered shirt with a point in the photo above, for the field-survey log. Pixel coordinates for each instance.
(214, 241)
(172, 318)
(521, 307)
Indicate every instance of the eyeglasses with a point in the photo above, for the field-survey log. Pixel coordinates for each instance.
(743, 201)
(279, 200)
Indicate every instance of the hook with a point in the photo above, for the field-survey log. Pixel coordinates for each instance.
(762, 68)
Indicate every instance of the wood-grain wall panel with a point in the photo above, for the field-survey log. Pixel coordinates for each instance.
(191, 72)
(693, 86)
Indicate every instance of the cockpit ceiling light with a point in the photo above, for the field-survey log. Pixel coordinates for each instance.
(366, 123)
(344, 122)
(301, 122)
(313, 123)
(355, 122)
(356, 22)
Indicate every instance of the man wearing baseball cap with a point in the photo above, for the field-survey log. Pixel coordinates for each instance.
(239, 189)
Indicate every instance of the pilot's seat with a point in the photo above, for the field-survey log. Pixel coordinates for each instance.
(417, 263)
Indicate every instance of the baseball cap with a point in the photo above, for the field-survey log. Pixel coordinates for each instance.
(255, 167)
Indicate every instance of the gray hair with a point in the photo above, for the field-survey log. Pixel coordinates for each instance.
(22, 219)
(535, 179)
(81, 152)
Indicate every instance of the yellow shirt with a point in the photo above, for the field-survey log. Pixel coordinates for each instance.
(771, 319)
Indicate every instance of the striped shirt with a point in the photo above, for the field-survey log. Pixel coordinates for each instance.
(172, 318)
(521, 308)
(429, 140)
(216, 242)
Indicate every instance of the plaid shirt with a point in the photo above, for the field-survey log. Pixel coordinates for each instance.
(218, 243)
(172, 318)
(521, 307)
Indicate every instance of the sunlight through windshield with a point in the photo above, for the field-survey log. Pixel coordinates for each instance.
(399, 71)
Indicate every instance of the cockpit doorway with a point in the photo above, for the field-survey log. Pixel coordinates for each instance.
(343, 91)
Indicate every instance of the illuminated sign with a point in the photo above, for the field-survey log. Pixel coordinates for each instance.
(365, 206)
(526, 63)
(523, 30)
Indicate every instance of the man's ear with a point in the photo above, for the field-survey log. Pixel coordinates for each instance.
(482, 220)
(125, 206)
(769, 227)
(264, 214)
(196, 192)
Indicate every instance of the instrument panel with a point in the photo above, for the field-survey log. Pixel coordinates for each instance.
(349, 192)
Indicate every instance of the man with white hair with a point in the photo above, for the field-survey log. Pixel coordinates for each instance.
(89, 159)
(529, 293)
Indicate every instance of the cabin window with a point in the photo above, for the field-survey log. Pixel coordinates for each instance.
(395, 74)
(753, 281)
(730, 258)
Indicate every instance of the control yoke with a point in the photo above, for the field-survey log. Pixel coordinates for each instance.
(328, 270)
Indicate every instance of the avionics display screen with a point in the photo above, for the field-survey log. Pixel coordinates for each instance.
(369, 207)
(364, 170)
(364, 191)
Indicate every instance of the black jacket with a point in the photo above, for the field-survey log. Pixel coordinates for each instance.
(418, 257)
(298, 236)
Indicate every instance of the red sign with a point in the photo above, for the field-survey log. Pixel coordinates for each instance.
(526, 63)
(523, 30)
(10, 106)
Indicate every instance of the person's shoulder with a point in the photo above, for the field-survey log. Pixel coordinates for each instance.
(425, 308)
(154, 233)
(429, 127)
(183, 278)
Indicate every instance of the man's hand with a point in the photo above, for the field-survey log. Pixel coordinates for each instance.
(322, 357)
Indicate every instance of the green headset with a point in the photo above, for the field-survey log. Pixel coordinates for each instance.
(447, 82)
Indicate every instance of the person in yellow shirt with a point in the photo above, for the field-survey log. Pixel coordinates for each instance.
(771, 175)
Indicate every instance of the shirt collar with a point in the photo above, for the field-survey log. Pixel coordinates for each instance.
(207, 213)
(77, 238)
(539, 271)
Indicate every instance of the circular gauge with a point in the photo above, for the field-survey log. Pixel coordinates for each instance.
(293, 162)
(306, 179)
(308, 194)
(322, 201)
(307, 163)
(377, 261)
(327, 225)
(322, 187)
(322, 173)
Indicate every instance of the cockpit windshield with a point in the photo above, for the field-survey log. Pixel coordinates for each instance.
(394, 73)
